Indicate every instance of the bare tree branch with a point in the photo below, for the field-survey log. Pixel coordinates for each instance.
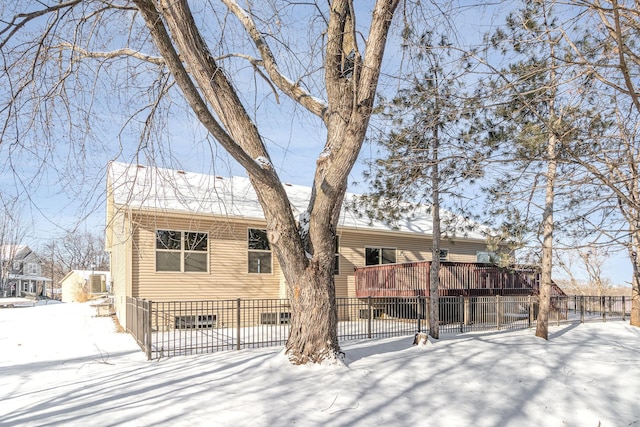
(119, 53)
(292, 89)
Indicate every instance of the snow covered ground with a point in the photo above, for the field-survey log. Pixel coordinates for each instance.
(59, 366)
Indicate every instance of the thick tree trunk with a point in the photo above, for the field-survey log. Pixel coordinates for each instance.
(313, 337)
(542, 325)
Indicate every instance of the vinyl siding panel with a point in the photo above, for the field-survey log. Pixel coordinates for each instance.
(228, 276)
(135, 263)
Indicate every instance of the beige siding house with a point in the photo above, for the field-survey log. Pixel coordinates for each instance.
(175, 235)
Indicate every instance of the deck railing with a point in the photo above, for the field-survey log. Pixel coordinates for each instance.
(466, 279)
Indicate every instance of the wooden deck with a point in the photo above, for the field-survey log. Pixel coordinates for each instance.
(466, 279)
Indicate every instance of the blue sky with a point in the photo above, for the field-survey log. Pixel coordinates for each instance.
(73, 195)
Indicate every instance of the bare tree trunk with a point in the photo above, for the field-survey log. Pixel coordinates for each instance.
(434, 273)
(542, 325)
(434, 280)
(313, 334)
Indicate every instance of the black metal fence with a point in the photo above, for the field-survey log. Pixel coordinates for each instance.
(165, 329)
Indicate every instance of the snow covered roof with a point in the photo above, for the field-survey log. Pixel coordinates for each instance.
(167, 190)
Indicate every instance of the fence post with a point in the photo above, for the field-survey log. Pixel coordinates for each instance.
(530, 310)
(427, 313)
(370, 316)
(419, 311)
(238, 317)
(461, 313)
(135, 320)
(147, 328)
(581, 308)
(603, 308)
(467, 311)
(498, 313)
(624, 309)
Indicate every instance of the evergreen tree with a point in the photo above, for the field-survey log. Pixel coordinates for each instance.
(425, 156)
(538, 114)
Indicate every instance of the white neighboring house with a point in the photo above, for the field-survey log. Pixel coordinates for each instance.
(93, 282)
(21, 272)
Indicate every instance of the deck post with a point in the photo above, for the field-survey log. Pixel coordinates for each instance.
(238, 317)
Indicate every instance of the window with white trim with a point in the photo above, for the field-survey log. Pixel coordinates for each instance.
(32, 268)
(182, 251)
(259, 251)
(377, 256)
(444, 254)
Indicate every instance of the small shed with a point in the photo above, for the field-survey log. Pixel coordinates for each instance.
(80, 285)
